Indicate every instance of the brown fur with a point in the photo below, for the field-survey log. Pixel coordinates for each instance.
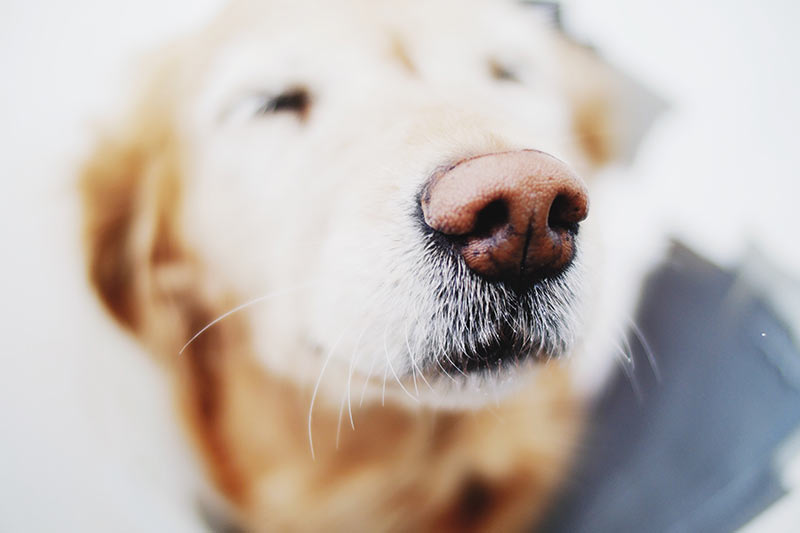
(592, 88)
(400, 470)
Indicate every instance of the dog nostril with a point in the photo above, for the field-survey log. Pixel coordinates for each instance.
(490, 219)
(564, 214)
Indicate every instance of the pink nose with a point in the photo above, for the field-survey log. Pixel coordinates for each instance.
(513, 216)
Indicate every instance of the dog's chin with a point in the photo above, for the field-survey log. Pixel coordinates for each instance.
(478, 342)
(505, 352)
(478, 388)
(481, 376)
(467, 325)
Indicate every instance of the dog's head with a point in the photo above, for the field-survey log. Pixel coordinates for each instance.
(401, 184)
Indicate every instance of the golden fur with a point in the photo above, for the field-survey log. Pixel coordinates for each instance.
(488, 470)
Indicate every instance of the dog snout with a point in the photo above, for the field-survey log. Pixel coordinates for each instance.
(512, 216)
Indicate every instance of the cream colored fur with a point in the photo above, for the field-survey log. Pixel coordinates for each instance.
(200, 202)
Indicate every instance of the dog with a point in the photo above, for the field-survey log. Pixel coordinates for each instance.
(358, 239)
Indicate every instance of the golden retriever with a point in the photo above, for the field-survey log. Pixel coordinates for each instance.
(352, 233)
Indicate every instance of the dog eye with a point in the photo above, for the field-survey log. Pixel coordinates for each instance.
(295, 101)
(501, 72)
(260, 104)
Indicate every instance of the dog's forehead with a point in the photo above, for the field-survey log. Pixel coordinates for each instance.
(354, 45)
(368, 22)
(277, 43)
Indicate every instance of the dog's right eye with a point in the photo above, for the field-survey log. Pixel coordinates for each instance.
(261, 104)
(295, 101)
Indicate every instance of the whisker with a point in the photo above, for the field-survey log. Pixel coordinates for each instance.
(316, 390)
(369, 306)
(391, 367)
(339, 423)
(629, 367)
(414, 377)
(425, 381)
(415, 366)
(353, 359)
(411, 358)
(626, 345)
(268, 296)
(651, 358)
(447, 356)
(439, 362)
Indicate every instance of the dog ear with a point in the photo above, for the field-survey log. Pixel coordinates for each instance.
(611, 112)
(130, 192)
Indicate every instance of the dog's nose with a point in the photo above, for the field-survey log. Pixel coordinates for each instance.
(513, 216)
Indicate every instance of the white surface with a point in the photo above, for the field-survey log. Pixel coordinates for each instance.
(69, 461)
(722, 163)
(723, 159)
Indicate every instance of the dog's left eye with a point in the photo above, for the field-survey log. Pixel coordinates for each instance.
(297, 101)
(502, 72)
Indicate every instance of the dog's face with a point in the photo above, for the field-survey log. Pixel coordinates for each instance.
(292, 148)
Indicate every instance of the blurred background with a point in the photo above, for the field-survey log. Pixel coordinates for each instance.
(720, 165)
